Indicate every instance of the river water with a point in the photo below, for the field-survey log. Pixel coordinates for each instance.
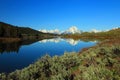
(17, 55)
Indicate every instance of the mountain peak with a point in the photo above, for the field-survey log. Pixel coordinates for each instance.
(72, 30)
(56, 31)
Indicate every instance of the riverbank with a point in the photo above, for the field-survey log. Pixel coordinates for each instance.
(100, 62)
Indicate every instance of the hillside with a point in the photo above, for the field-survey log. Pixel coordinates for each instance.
(111, 33)
(11, 31)
(99, 35)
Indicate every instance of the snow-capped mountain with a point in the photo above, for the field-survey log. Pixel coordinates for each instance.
(95, 30)
(72, 30)
(115, 28)
(55, 31)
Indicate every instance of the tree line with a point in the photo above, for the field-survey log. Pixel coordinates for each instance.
(8, 30)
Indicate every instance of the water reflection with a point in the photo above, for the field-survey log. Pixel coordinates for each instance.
(57, 40)
(19, 54)
(9, 47)
(72, 41)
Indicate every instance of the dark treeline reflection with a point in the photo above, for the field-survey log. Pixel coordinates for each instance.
(14, 46)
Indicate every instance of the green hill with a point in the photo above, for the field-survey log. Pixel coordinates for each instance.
(114, 33)
(11, 31)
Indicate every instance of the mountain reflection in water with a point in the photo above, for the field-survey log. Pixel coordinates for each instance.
(20, 54)
(15, 46)
(57, 40)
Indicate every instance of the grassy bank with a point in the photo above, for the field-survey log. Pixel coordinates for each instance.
(100, 62)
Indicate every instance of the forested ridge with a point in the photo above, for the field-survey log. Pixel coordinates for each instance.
(11, 31)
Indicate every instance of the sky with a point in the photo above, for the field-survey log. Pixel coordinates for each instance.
(61, 14)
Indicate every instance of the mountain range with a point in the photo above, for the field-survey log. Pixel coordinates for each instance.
(71, 30)
(74, 30)
(8, 30)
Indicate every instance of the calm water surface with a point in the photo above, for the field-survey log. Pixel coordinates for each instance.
(18, 55)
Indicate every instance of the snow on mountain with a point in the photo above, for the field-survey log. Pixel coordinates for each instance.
(115, 28)
(72, 30)
(95, 30)
(55, 31)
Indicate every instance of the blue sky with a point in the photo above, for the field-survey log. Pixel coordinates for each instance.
(61, 14)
